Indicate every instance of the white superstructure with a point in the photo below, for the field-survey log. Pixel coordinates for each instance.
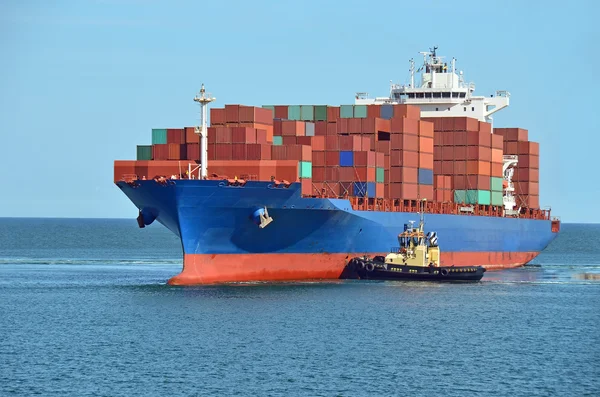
(441, 93)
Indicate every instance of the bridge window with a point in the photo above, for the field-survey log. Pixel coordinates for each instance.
(465, 108)
(445, 95)
(428, 95)
(411, 95)
(420, 95)
(455, 95)
(436, 109)
(462, 95)
(437, 94)
(473, 109)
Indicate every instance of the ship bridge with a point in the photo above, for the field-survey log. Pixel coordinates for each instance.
(442, 92)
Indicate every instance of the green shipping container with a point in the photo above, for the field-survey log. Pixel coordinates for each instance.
(478, 197)
(360, 111)
(497, 198)
(144, 152)
(346, 111)
(271, 108)
(460, 196)
(305, 169)
(159, 136)
(277, 140)
(294, 112)
(380, 175)
(496, 184)
(321, 113)
(307, 112)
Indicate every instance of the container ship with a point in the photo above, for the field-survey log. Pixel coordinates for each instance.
(293, 192)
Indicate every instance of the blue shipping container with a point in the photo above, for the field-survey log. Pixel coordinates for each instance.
(387, 111)
(425, 176)
(346, 159)
(363, 189)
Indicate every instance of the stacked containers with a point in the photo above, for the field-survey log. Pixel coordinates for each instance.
(442, 188)
(526, 174)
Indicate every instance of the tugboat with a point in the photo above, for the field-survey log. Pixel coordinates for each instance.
(417, 258)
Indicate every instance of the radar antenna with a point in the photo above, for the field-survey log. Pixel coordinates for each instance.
(204, 99)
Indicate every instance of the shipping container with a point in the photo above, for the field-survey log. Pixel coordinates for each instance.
(375, 125)
(496, 184)
(529, 161)
(380, 175)
(405, 125)
(425, 176)
(497, 155)
(219, 134)
(309, 129)
(473, 182)
(512, 134)
(478, 168)
(426, 192)
(262, 137)
(482, 197)
(307, 112)
(364, 189)
(404, 174)
(383, 146)
(243, 135)
(386, 112)
(160, 151)
(481, 153)
(320, 113)
(346, 111)
(364, 174)
(305, 169)
(318, 158)
(191, 136)
(332, 158)
(217, 116)
(192, 151)
(318, 174)
(293, 112)
(177, 151)
(281, 112)
(144, 152)
(298, 152)
(425, 144)
(511, 148)
(373, 111)
(318, 143)
(223, 151)
(272, 109)
(529, 148)
(364, 159)
(332, 143)
(321, 128)
(459, 138)
(527, 188)
(529, 201)
(478, 138)
(404, 142)
(159, 136)
(238, 151)
(306, 186)
(404, 191)
(485, 127)
(426, 129)
(466, 124)
(257, 151)
(497, 170)
(526, 175)
(379, 160)
(293, 128)
(496, 198)
(497, 141)
(360, 111)
(333, 114)
(407, 111)
(277, 140)
(426, 160)
(232, 113)
(346, 159)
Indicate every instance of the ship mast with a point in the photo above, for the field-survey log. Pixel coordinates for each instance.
(204, 99)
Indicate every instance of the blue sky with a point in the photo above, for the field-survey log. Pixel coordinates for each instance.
(83, 82)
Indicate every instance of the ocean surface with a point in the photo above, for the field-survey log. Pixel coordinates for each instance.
(85, 311)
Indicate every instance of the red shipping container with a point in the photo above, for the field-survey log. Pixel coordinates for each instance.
(306, 187)
(193, 151)
(349, 142)
(529, 161)
(191, 136)
(497, 170)
(320, 128)
(176, 151)
(477, 138)
(404, 158)
(304, 140)
(439, 182)
(511, 148)
(281, 112)
(437, 123)
(404, 191)
(386, 176)
(526, 175)
(354, 126)
(438, 139)
(160, 151)
(217, 116)
(373, 111)
(460, 167)
(288, 140)
(460, 152)
(257, 151)
(318, 173)
(243, 135)
(425, 144)
(386, 162)
(497, 155)
(466, 124)
(497, 141)
(426, 129)
(211, 151)
(364, 159)
(238, 151)
(342, 126)
(374, 125)
(333, 113)
(318, 143)
(252, 114)
(405, 142)
(379, 159)
(459, 138)
(221, 134)
(232, 113)
(261, 136)
(529, 148)
(279, 153)
(437, 167)
(292, 127)
(299, 152)
(426, 192)
(438, 195)
(459, 182)
(332, 158)
(332, 174)
(485, 127)
(379, 190)
(223, 151)
(365, 174)
(331, 128)
(447, 153)
(479, 153)
(437, 153)
(318, 159)
(403, 174)
(277, 128)
(447, 123)
(512, 134)
(447, 167)
(426, 160)
(478, 168)
(347, 174)
(383, 146)
(477, 182)
(365, 145)
(175, 135)
(527, 188)
(531, 202)
(405, 125)
(332, 142)
(407, 111)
